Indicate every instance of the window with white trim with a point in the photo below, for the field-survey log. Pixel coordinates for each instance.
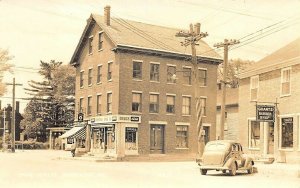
(286, 135)
(109, 103)
(154, 105)
(202, 77)
(90, 76)
(109, 71)
(100, 40)
(254, 134)
(171, 70)
(254, 84)
(137, 70)
(154, 72)
(186, 105)
(203, 105)
(285, 81)
(89, 106)
(136, 102)
(181, 136)
(99, 73)
(187, 75)
(99, 104)
(81, 105)
(81, 78)
(170, 104)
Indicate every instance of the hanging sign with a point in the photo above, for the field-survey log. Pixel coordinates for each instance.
(265, 113)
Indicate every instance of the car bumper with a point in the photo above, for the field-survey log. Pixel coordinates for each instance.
(214, 167)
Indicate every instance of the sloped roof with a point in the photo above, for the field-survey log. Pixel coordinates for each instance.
(145, 36)
(285, 56)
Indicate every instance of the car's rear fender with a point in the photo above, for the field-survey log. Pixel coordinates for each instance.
(248, 161)
(229, 162)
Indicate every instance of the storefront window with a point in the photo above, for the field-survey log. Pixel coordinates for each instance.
(254, 134)
(131, 138)
(181, 136)
(287, 132)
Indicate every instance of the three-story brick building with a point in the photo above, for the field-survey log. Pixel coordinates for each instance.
(125, 89)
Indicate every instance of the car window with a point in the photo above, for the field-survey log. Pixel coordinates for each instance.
(215, 147)
(234, 147)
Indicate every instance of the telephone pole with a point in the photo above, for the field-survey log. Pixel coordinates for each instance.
(225, 45)
(13, 114)
(191, 38)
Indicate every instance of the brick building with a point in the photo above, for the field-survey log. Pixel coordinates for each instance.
(274, 79)
(125, 89)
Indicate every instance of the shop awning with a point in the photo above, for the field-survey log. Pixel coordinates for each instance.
(74, 131)
(81, 134)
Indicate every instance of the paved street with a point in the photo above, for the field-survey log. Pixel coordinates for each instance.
(44, 169)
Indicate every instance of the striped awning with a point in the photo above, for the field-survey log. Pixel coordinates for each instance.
(81, 134)
(75, 132)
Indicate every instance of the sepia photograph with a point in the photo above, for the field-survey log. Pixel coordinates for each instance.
(149, 93)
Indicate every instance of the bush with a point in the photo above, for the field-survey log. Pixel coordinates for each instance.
(32, 145)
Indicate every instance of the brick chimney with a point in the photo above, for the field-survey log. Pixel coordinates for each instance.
(107, 15)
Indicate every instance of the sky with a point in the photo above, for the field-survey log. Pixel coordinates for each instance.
(35, 30)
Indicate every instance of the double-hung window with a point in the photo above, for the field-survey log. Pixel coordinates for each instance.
(171, 70)
(186, 105)
(203, 105)
(100, 40)
(89, 106)
(81, 105)
(109, 71)
(98, 104)
(90, 76)
(154, 107)
(202, 77)
(109, 103)
(286, 81)
(170, 104)
(187, 75)
(81, 78)
(254, 88)
(99, 73)
(137, 70)
(154, 72)
(136, 102)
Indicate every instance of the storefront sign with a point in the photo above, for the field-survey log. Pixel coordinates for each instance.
(117, 118)
(265, 113)
(131, 129)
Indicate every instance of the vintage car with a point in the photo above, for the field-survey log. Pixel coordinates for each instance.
(224, 155)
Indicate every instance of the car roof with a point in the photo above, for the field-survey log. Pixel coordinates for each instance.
(224, 141)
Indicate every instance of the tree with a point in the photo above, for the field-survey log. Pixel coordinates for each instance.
(52, 103)
(4, 67)
(234, 67)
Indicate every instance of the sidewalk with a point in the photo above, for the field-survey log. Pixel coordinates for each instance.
(279, 169)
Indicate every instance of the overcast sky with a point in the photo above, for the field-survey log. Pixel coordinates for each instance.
(35, 30)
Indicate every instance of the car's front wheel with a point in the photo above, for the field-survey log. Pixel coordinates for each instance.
(203, 171)
(232, 170)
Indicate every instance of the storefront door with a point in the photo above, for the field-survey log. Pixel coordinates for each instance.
(156, 139)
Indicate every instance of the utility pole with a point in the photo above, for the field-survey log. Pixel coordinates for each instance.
(4, 114)
(225, 44)
(13, 130)
(191, 38)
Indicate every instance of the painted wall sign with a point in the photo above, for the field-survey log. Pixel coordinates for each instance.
(265, 113)
(116, 118)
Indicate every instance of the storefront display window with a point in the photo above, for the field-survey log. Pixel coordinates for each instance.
(287, 132)
(254, 141)
(181, 136)
(131, 138)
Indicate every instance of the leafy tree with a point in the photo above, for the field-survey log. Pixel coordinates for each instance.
(52, 102)
(4, 66)
(234, 67)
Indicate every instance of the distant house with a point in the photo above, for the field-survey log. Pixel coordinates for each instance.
(273, 81)
(125, 90)
(231, 113)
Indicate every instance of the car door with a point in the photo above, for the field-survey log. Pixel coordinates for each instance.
(235, 150)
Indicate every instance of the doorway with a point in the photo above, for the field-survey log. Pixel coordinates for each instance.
(156, 138)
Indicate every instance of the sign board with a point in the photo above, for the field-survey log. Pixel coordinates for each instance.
(265, 113)
(116, 118)
(80, 117)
